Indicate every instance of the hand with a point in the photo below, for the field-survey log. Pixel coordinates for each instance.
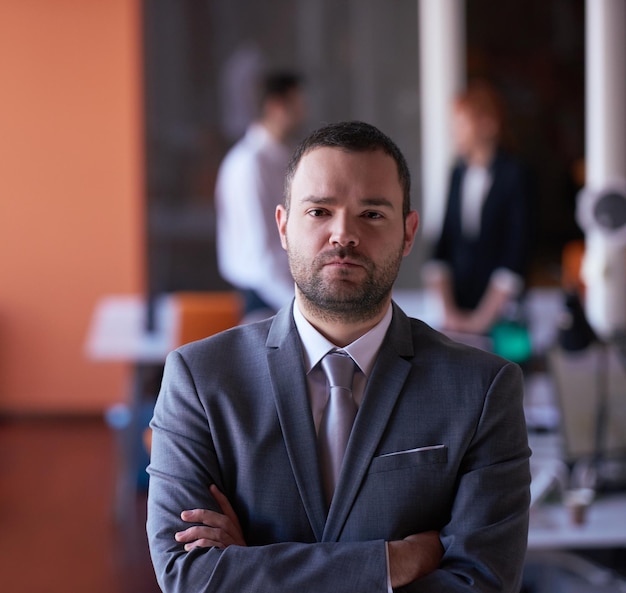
(218, 530)
(482, 318)
(413, 557)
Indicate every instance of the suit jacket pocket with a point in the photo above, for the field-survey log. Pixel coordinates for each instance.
(412, 457)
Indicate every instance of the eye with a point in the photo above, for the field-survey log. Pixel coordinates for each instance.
(372, 215)
(316, 212)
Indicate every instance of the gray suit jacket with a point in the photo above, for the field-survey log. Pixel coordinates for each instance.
(439, 442)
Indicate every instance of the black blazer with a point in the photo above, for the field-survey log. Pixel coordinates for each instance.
(505, 235)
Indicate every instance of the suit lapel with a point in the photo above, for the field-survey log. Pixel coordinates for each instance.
(382, 391)
(294, 413)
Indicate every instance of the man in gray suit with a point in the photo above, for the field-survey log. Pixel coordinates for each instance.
(433, 491)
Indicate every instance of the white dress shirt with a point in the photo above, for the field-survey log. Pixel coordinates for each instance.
(474, 189)
(249, 186)
(363, 351)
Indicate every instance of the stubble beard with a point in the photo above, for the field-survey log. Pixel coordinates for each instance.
(344, 297)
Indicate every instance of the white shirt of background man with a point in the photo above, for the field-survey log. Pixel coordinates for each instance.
(249, 187)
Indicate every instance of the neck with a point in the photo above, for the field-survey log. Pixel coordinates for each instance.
(339, 327)
(481, 155)
(275, 130)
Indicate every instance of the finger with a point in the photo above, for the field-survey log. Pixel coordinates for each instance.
(203, 543)
(208, 535)
(205, 516)
(224, 529)
(225, 505)
(212, 520)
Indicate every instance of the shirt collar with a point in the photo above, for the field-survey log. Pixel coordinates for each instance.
(363, 350)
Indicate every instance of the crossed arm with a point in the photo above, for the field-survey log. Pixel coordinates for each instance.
(484, 539)
(409, 559)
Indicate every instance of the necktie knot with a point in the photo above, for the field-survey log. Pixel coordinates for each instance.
(339, 369)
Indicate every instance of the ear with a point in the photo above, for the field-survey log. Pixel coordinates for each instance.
(410, 229)
(281, 223)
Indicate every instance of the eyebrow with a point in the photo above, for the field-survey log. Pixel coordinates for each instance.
(373, 201)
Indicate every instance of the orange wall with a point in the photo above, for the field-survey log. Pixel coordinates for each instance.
(71, 195)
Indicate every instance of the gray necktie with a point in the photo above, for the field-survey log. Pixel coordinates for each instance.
(337, 418)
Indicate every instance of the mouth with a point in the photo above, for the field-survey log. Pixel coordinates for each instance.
(342, 261)
(343, 264)
(343, 270)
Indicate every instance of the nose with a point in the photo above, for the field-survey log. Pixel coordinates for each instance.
(343, 232)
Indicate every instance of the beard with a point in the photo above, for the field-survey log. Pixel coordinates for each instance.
(347, 295)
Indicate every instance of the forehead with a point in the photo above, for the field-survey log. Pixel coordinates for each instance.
(335, 169)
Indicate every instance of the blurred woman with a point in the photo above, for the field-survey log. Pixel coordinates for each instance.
(480, 260)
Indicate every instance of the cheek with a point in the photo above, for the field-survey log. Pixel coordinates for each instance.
(305, 237)
(292, 240)
(462, 136)
(304, 244)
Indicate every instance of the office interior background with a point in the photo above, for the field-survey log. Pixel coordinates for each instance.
(114, 125)
(114, 117)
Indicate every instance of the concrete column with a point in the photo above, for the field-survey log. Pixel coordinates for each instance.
(604, 263)
(605, 91)
(442, 76)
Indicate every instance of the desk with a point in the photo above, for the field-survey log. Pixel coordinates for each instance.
(550, 524)
(605, 527)
(557, 548)
(118, 334)
(118, 330)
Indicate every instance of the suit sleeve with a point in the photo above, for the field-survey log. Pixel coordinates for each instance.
(486, 538)
(183, 465)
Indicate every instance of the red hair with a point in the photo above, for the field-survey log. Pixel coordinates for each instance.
(480, 99)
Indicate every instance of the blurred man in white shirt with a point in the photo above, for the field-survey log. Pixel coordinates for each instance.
(248, 189)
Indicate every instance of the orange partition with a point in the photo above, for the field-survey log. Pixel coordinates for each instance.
(203, 314)
(71, 194)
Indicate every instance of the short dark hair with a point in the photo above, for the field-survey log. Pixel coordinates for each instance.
(278, 84)
(351, 136)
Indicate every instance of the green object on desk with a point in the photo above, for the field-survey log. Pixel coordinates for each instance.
(511, 340)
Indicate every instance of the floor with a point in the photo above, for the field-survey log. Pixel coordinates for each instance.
(58, 532)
